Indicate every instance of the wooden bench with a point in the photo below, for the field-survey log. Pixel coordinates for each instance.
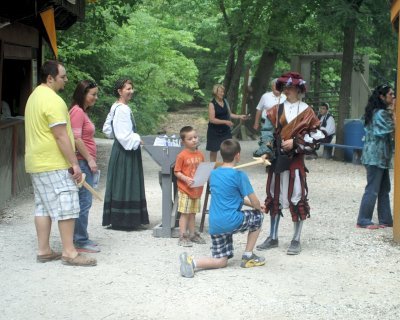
(357, 151)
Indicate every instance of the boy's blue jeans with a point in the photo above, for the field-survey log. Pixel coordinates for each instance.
(378, 188)
(85, 202)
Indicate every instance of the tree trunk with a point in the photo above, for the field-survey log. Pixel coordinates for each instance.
(260, 82)
(229, 68)
(317, 81)
(232, 93)
(349, 34)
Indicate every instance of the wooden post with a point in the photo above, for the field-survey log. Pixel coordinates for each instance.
(243, 130)
(394, 15)
(245, 90)
(14, 159)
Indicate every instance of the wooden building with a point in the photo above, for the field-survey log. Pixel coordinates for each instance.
(26, 27)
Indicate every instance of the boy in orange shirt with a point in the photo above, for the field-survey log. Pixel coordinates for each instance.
(189, 198)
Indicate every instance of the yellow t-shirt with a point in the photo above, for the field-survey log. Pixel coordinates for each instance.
(43, 110)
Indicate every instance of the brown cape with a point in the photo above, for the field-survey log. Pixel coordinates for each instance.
(305, 121)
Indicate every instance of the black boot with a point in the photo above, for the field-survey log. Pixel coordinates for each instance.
(268, 244)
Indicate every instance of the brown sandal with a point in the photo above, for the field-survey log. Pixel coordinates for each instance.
(80, 261)
(42, 258)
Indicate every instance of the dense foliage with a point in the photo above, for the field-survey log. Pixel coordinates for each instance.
(175, 50)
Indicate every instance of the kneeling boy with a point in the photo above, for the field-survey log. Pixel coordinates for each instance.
(228, 188)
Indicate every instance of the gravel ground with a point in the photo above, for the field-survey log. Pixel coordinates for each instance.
(342, 272)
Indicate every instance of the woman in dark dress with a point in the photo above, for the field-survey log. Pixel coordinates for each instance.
(125, 206)
(219, 125)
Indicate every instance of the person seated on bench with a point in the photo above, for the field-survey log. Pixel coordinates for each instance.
(327, 125)
(327, 121)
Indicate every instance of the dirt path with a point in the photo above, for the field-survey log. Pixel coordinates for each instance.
(193, 116)
(342, 273)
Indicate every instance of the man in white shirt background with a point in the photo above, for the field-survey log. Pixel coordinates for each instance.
(267, 101)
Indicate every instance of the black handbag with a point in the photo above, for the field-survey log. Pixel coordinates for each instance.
(282, 161)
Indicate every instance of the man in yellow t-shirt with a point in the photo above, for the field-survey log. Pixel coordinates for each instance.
(49, 153)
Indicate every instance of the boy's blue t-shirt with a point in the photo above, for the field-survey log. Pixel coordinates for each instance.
(228, 188)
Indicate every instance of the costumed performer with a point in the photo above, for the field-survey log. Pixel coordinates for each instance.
(291, 131)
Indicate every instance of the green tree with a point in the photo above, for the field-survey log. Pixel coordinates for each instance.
(150, 52)
(291, 27)
(360, 24)
(177, 49)
(241, 18)
(139, 46)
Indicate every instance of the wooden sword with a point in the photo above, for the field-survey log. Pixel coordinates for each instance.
(256, 161)
(89, 187)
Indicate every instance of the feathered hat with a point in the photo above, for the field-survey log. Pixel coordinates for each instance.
(291, 79)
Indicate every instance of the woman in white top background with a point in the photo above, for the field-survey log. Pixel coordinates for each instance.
(125, 206)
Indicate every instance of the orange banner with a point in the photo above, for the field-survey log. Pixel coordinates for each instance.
(49, 23)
